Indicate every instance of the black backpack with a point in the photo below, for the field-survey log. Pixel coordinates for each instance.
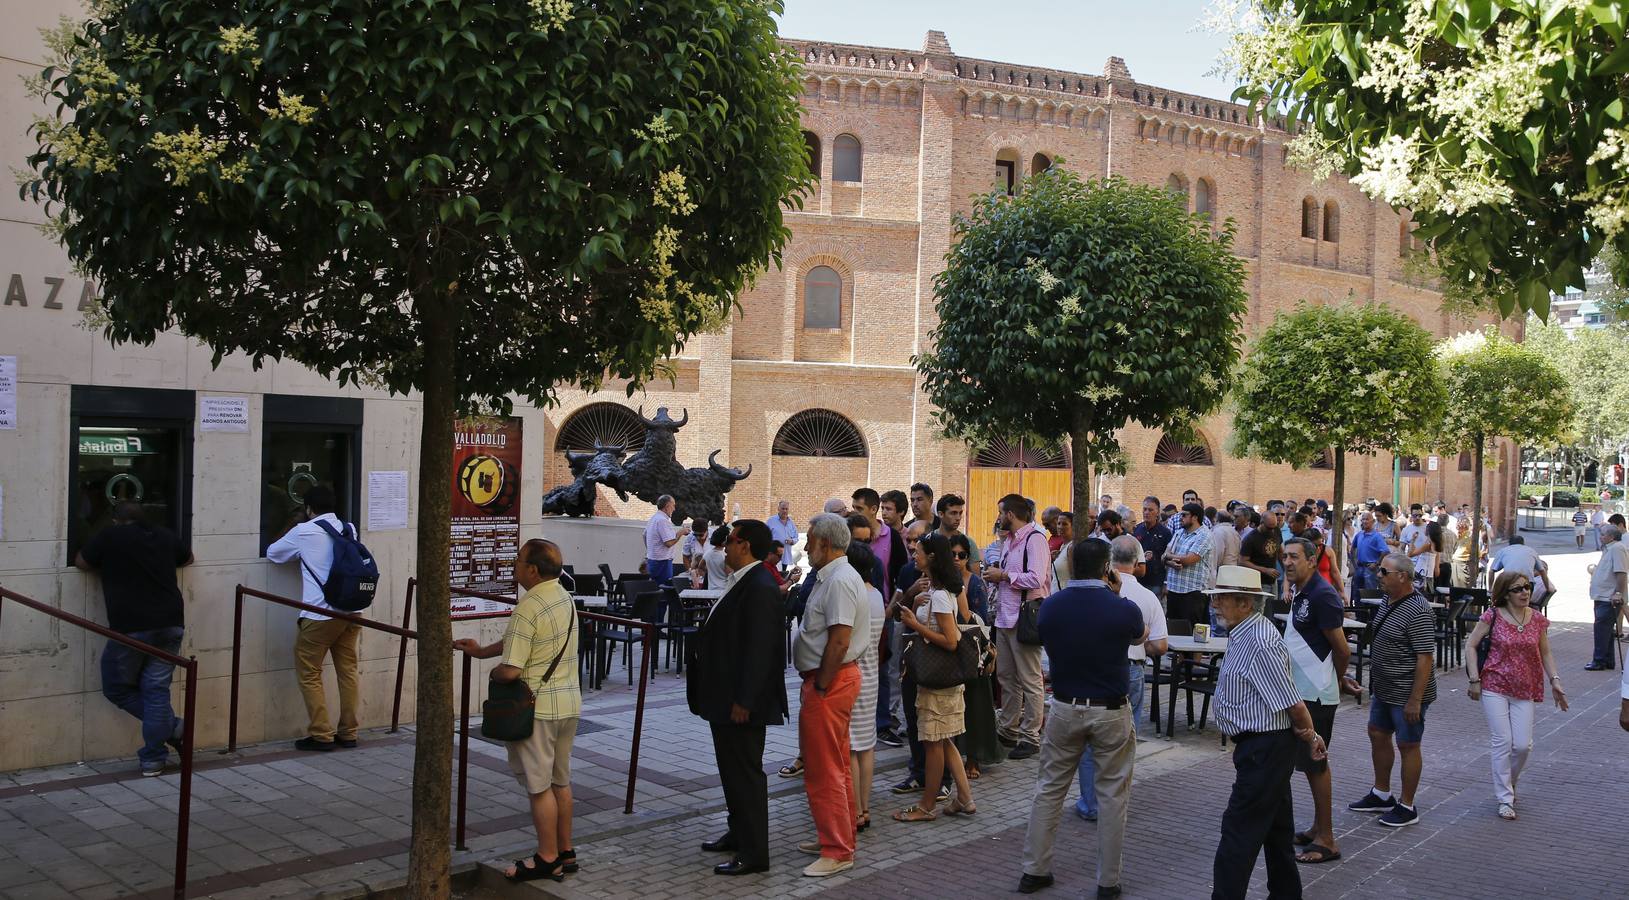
(354, 576)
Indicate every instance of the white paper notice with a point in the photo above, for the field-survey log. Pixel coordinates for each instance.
(223, 414)
(1432, 462)
(387, 501)
(8, 392)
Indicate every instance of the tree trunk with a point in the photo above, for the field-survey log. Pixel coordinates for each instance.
(1474, 564)
(430, 856)
(1337, 515)
(1081, 480)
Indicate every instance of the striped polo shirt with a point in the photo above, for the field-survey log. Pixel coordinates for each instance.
(1254, 688)
(1408, 630)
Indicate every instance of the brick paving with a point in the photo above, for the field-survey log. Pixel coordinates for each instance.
(271, 822)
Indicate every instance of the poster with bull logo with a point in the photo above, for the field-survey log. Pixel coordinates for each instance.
(485, 510)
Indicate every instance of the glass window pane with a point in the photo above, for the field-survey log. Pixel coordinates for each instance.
(294, 460)
(119, 463)
(822, 298)
(845, 158)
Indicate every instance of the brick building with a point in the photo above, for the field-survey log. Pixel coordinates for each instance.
(813, 384)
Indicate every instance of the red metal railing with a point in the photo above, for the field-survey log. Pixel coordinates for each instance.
(183, 825)
(237, 641)
(649, 630)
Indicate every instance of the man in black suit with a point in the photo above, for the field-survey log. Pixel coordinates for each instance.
(737, 683)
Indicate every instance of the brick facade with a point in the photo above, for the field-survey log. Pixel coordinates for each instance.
(932, 127)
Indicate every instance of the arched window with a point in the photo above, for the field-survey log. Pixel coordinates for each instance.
(1466, 461)
(822, 298)
(1002, 454)
(812, 141)
(818, 432)
(1178, 185)
(845, 158)
(1204, 198)
(1325, 460)
(1039, 163)
(1007, 170)
(1309, 218)
(605, 424)
(1406, 241)
(1332, 221)
(1172, 452)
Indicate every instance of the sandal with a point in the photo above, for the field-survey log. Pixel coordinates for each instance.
(540, 868)
(1507, 812)
(1303, 838)
(958, 808)
(863, 822)
(915, 813)
(568, 862)
(1324, 855)
(792, 769)
(973, 772)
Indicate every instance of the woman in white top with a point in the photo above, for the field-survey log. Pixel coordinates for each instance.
(717, 572)
(862, 725)
(940, 715)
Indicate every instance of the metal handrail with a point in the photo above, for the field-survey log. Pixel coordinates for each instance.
(237, 640)
(190, 664)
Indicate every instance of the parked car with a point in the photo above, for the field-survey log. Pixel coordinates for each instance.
(1563, 498)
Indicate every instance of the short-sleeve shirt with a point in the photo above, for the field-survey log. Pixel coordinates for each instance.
(137, 564)
(933, 603)
(786, 532)
(1604, 583)
(542, 624)
(1154, 540)
(658, 531)
(1408, 629)
(839, 598)
(1514, 668)
(1086, 629)
(1197, 576)
(1261, 547)
(1153, 615)
(1414, 536)
(1253, 686)
(1314, 609)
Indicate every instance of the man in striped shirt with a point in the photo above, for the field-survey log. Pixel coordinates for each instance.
(1258, 707)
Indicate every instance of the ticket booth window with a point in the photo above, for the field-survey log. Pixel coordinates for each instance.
(129, 445)
(307, 441)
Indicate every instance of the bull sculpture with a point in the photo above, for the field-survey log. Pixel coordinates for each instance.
(647, 474)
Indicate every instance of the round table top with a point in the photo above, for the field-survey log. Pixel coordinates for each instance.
(1186, 644)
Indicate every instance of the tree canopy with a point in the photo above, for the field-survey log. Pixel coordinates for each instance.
(1501, 124)
(1592, 361)
(1075, 308)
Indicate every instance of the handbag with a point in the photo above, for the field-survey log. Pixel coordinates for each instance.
(1027, 630)
(1485, 645)
(935, 667)
(510, 707)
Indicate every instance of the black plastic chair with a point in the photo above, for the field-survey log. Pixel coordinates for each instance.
(646, 608)
(1160, 675)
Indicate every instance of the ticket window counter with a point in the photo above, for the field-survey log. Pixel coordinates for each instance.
(307, 441)
(129, 444)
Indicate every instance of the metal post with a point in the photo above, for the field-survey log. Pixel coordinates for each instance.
(639, 719)
(184, 825)
(463, 751)
(1396, 482)
(237, 645)
(401, 656)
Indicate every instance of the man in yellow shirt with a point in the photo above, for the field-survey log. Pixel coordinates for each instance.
(540, 647)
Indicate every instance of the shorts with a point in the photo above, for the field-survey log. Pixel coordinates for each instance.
(1323, 722)
(1577, 531)
(1389, 717)
(544, 759)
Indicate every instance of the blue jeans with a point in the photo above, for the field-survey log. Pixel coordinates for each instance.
(1606, 615)
(660, 571)
(1087, 804)
(140, 685)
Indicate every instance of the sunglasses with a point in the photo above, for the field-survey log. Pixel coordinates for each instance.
(1522, 588)
(957, 554)
(1384, 572)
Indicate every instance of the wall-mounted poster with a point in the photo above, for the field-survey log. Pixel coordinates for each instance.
(485, 510)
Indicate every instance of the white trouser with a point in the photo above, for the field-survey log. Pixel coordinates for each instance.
(1510, 723)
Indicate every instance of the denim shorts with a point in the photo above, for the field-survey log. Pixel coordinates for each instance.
(1389, 717)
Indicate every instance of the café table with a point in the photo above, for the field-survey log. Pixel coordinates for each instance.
(1216, 646)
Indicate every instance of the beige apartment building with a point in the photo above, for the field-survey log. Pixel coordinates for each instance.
(812, 385)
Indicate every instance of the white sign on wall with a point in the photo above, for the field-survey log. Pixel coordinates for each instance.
(387, 501)
(8, 392)
(1431, 463)
(223, 414)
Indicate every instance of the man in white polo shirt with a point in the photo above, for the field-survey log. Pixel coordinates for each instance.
(660, 536)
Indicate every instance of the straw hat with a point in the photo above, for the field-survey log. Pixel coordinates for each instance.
(1238, 580)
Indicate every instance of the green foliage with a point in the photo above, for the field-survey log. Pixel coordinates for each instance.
(1500, 123)
(570, 189)
(1585, 495)
(1077, 307)
(1498, 388)
(1593, 362)
(1358, 378)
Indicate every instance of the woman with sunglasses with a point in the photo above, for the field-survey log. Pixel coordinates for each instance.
(939, 711)
(1510, 682)
(978, 744)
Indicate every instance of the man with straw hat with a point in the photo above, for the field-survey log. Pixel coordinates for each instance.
(1257, 706)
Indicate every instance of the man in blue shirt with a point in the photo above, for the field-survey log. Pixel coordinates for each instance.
(1154, 537)
(1086, 628)
(1368, 548)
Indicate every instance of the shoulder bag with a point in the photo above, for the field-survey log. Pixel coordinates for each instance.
(1028, 629)
(935, 667)
(1485, 645)
(510, 707)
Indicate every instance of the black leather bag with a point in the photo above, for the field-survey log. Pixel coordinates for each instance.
(510, 707)
(935, 667)
(1027, 630)
(1485, 645)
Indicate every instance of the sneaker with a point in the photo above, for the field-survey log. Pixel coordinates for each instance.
(944, 793)
(311, 743)
(908, 786)
(1372, 804)
(1400, 815)
(889, 737)
(152, 770)
(825, 866)
(1006, 741)
(347, 743)
(1024, 750)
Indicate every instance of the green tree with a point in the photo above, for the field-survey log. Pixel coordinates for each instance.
(1592, 360)
(1500, 123)
(1077, 307)
(472, 200)
(1498, 389)
(1336, 379)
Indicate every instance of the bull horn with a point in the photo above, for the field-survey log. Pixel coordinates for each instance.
(650, 423)
(726, 471)
(684, 419)
(574, 457)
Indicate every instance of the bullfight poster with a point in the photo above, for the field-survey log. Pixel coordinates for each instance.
(485, 510)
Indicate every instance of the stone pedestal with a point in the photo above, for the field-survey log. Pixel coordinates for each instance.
(585, 543)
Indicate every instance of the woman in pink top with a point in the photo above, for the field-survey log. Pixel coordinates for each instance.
(1511, 681)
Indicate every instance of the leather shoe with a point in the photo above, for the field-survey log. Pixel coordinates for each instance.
(1107, 893)
(737, 867)
(1029, 884)
(1592, 667)
(725, 844)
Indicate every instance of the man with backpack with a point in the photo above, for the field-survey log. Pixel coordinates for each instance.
(314, 543)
